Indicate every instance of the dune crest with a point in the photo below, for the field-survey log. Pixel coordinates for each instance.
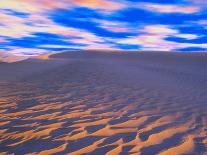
(46, 56)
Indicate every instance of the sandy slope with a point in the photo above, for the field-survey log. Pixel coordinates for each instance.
(105, 103)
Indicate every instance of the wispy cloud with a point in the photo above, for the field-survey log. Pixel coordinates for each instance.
(171, 8)
(107, 5)
(153, 37)
(31, 27)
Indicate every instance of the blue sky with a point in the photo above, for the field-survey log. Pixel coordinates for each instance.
(33, 27)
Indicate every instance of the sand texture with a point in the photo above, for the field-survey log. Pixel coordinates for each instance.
(97, 103)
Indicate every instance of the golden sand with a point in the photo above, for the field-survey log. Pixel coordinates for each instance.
(97, 107)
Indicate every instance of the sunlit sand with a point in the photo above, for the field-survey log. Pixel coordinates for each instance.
(105, 103)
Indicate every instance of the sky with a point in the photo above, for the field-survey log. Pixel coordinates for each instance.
(34, 27)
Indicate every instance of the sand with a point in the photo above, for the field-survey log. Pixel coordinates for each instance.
(105, 103)
(9, 58)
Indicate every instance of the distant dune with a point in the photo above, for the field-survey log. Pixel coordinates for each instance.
(7, 57)
(97, 103)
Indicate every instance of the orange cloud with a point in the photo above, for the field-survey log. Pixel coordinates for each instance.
(10, 25)
(49, 4)
(100, 4)
(34, 6)
(18, 5)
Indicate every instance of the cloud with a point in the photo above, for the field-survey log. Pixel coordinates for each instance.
(33, 6)
(203, 22)
(107, 5)
(26, 51)
(153, 37)
(114, 26)
(158, 30)
(85, 24)
(171, 8)
(49, 25)
(2, 40)
(187, 36)
(157, 43)
(200, 3)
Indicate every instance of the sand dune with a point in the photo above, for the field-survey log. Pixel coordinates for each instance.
(7, 57)
(105, 103)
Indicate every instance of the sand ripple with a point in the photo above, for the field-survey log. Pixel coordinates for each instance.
(89, 108)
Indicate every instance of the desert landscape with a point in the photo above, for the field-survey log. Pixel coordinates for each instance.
(104, 103)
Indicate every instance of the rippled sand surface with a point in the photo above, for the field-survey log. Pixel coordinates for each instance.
(104, 103)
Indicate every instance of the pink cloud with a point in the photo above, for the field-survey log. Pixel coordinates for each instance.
(2, 40)
(170, 8)
(9, 19)
(158, 29)
(153, 42)
(16, 27)
(153, 38)
(164, 31)
(26, 51)
(12, 26)
(100, 4)
(114, 26)
(34, 6)
(18, 5)
(187, 36)
(203, 22)
(120, 29)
